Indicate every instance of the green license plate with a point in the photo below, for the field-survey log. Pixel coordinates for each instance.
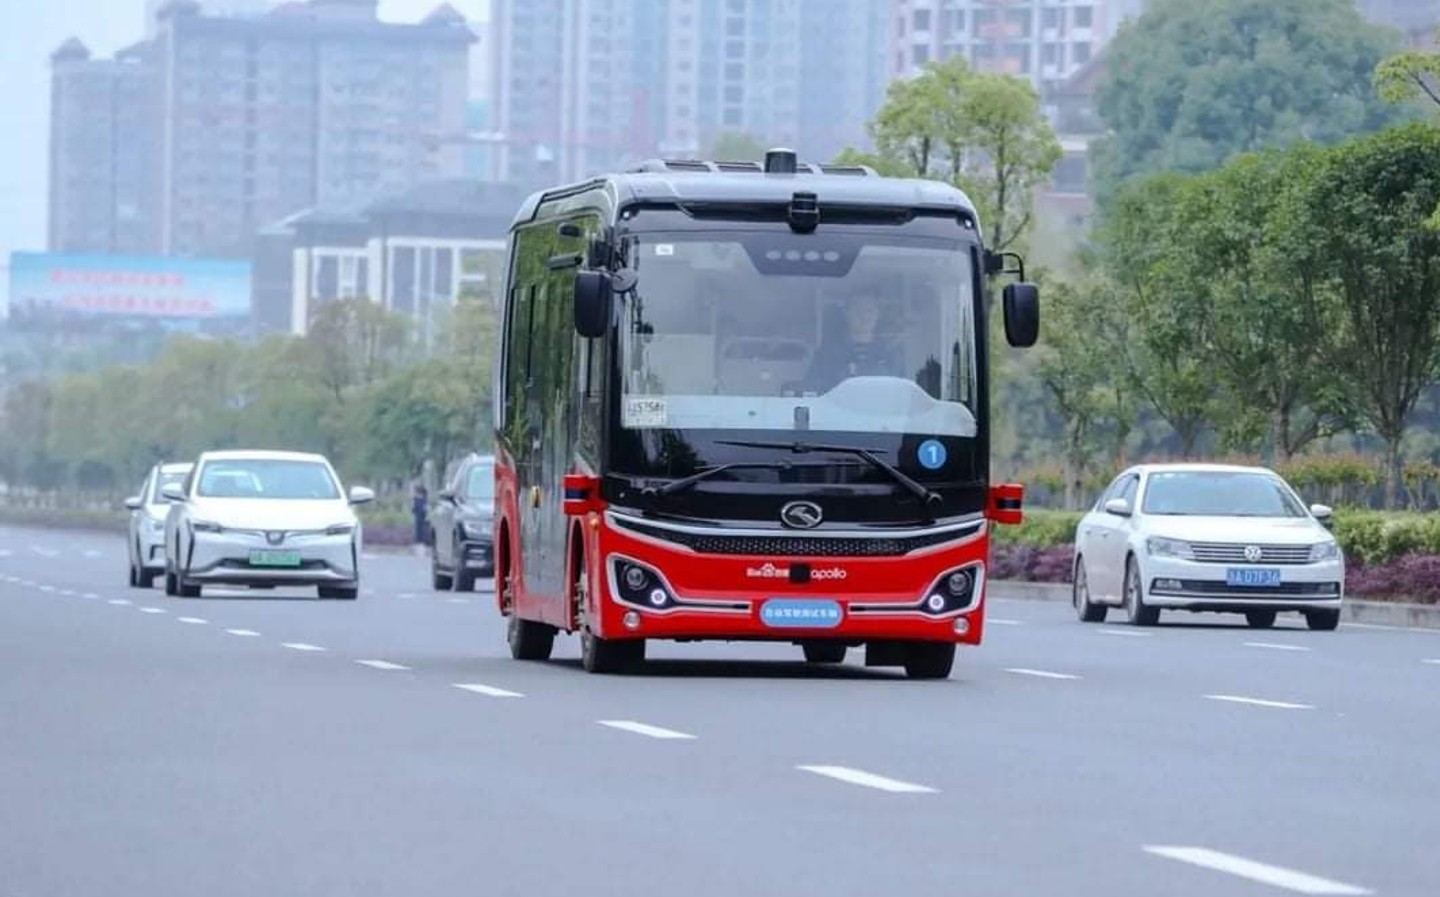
(263, 558)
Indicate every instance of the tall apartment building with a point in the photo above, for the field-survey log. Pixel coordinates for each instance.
(256, 117)
(585, 85)
(1410, 16)
(103, 151)
(1045, 41)
(209, 8)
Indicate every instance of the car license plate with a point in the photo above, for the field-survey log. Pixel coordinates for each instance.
(1252, 576)
(803, 613)
(266, 558)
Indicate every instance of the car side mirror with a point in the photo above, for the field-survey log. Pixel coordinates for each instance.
(1022, 314)
(447, 495)
(174, 492)
(134, 503)
(360, 495)
(1323, 513)
(1118, 506)
(594, 303)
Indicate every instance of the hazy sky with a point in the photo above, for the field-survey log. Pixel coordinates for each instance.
(32, 29)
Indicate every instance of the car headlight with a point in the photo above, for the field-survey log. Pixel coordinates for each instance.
(340, 529)
(1324, 551)
(1168, 548)
(157, 524)
(206, 526)
(476, 530)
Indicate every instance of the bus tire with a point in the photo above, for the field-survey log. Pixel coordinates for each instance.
(603, 655)
(528, 639)
(824, 652)
(930, 660)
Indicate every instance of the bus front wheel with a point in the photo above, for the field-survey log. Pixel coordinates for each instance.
(930, 660)
(603, 655)
(528, 639)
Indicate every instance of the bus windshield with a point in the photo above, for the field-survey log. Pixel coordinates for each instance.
(767, 329)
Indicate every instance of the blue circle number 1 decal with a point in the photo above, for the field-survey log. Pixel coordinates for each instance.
(932, 454)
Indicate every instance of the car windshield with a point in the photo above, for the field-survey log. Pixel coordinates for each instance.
(773, 330)
(480, 484)
(170, 478)
(267, 478)
(1219, 494)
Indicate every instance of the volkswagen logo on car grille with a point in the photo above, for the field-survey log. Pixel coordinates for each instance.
(1253, 553)
(275, 538)
(801, 515)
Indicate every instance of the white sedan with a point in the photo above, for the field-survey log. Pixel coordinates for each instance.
(1206, 537)
(262, 520)
(148, 510)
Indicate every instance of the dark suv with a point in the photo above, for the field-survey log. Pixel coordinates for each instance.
(463, 549)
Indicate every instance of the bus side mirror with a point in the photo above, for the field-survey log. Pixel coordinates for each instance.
(594, 303)
(1022, 314)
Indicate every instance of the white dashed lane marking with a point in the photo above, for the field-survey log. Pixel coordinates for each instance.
(643, 729)
(868, 779)
(489, 691)
(119, 602)
(245, 633)
(153, 610)
(1276, 646)
(381, 665)
(193, 620)
(1128, 633)
(998, 621)
(1042, 674)
(47, 588)
(1260, 702)
(301, 646)
(1278, 876)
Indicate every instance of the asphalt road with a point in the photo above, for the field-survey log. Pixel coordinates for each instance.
(273, 744)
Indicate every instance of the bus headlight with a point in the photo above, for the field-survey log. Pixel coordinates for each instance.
(953, 590)
(636, 584)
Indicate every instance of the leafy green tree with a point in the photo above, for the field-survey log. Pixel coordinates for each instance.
(1188, 85)
(982, 132)
(1075, 367)
(1363, 212)
(1414, 77)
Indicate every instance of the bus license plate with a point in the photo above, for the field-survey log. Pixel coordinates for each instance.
(264, 558)
(804, 613)
(1252, 576)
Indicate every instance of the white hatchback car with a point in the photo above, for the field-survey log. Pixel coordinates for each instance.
(146, 534)
(263, 519)
(1206, 537)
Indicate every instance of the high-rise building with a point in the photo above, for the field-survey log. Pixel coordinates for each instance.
(581, 86)
(1043, 40)
(1410, 16)
(226, 8)
(104, 182)
(243, 120)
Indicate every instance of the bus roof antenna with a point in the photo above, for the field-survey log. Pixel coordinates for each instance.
(781, 161)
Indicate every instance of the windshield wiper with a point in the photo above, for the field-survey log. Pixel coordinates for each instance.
(929, 498)
(686, 482)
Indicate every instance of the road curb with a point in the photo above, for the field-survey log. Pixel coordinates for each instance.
(1354, 610)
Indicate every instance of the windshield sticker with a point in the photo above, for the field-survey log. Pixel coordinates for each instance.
(932, 454)
(646, 412)
(664, 248)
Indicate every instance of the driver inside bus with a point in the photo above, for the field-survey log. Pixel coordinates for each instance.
(860, 350)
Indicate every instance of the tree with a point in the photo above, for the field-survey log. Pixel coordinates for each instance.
(1412, 76)
(1364, 233)
(1188, 85)
(1074, 368)
(981, 132)
(1157, 345)
(1262, 319)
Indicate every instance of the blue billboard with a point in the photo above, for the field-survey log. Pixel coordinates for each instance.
(175, 293)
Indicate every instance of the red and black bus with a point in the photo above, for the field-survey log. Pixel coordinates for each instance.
(741, 401)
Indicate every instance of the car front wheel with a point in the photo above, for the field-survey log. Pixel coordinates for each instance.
(1323, 620)
(1085, 609)
(1139, 612)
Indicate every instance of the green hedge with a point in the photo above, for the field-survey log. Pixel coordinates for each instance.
(1366, 537)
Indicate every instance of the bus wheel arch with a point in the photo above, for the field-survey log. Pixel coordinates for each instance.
(575, 591)
(504, 575)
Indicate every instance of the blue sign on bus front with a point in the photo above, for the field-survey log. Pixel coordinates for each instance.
(808, 613)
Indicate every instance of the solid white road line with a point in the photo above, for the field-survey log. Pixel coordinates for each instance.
(193, 620)
(1043, 674)
(489, 691)
(1259, 702)
(119, 601)
(301, 646)
(642, 728)
(381, 665)
(1001, 622)
(1275, 646)
(153, 610)
(1431, 660)
(249, 633)
(868, 779)
(1128, 633)
(1278, 876)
